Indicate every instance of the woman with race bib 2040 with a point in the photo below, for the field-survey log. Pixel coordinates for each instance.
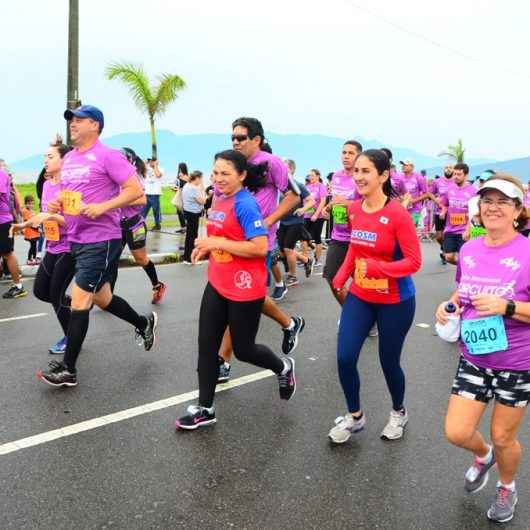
(493, 300)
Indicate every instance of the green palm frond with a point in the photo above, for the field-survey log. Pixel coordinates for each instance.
(455, 151)
(137, 81)
(167, 91)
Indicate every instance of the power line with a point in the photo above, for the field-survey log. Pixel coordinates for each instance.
(427, 39)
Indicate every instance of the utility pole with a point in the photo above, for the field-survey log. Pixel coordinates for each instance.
(72, 88)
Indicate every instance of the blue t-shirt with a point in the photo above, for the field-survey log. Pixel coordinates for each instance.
(291, 219)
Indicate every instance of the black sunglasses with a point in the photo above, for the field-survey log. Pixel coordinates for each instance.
(239, 137)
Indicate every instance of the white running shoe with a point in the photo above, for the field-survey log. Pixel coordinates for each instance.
(345, 426)
(396, 425)
(374, 332)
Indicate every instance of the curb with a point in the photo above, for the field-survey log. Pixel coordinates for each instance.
(161, 258)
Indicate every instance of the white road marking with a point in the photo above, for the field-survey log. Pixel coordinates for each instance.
(423, 325)
(24, 317)
(115, 417)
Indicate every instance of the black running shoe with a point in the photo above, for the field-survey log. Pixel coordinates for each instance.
(287, 382)
(309, 267)
(57, 375)
(147, 337)
(224, 371)
(194, 418)
(290, 336)
(15, 292)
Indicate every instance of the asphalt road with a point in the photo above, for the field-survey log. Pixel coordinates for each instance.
(266, 464)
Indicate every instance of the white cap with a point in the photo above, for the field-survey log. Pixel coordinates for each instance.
(504, 186)
(406, 162)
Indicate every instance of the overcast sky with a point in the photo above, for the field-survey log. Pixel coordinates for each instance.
(301, 66)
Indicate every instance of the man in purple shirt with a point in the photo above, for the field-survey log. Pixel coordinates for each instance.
(248, 137)
(438, 190)
(96, 181)
(416, 187)
(6, 238)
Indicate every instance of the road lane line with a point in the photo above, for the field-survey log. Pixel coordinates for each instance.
(88, 425)
(24, 317)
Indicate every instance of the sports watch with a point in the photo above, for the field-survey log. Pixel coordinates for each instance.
(510, 308)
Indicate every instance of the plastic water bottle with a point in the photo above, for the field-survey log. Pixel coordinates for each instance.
(451, 330)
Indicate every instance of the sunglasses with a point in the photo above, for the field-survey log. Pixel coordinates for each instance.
(239, 137)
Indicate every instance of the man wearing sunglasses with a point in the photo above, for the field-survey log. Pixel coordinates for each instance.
(248, 137)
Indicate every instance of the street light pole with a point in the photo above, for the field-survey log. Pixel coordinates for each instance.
(72, 88)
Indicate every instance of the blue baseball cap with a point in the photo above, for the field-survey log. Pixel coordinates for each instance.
(86, 111)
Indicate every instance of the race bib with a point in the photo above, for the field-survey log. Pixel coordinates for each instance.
(139, 233)
(71, 202)
(484, 335)
(51, 230)
(311, 211)
(457, 219)
(340, 214)
(379, 284)
(477, 231)
(221, 256)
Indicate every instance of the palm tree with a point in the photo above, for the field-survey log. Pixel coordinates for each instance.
(154, 100)
(455, 151)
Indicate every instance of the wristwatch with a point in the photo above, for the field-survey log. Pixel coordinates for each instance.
(510, 308)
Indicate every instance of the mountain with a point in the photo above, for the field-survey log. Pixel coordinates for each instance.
(518, 167)
(197, 150)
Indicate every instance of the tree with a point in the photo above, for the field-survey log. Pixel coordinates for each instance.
(152, 99)
(455, 152)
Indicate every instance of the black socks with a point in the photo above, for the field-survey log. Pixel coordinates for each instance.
(151, 272)
(77, 330)
(121, 309)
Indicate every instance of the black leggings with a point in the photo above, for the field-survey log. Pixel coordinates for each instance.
(315, 229)
(182, 219)
(217, 312)
(192, 231)
(32, 251)
(53, 277)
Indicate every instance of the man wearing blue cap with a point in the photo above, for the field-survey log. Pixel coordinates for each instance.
(96, 181)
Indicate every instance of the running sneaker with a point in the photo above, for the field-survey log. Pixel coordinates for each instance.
(158, 293)
(57, 375)
(290, 336)
(59, 347)
(345, 426)
(196, 417)
(396, 425)
(15, 292)
(287, 381)
(309, 266)
(502, 508)
(279, 293)
(224, 371)
(291, 281)
(442, 258)
(318, 264)
(374, 331)
(477, 475)
(147, 337)
(156, 228)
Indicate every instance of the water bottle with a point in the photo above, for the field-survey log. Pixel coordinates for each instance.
(451, 330)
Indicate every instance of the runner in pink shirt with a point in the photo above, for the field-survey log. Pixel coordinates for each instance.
(438, 189)
(314, 218)
(455, 211)
(417, 190)
(96, 182)
(493, 301)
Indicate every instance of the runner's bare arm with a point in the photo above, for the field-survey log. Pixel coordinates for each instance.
(130, 191)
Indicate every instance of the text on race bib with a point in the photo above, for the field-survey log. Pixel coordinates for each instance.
(71, 202)
(484, 335)
(340, 214)
(457, 219)
(51, 230)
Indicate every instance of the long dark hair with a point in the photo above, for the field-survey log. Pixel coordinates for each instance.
(136, 161)
(256, 174)
(62, 149)
(183, 168)
(380, 160)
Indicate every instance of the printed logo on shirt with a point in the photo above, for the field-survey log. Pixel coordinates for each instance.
(243, 280)
(383, 220)
(364, 236)
(510, 263)
(91, 156)
(216, 215)
(257, 224)
(469, 262)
